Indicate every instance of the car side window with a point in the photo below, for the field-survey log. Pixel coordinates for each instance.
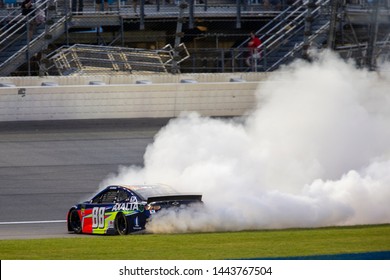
(109, 196)
(122, 196)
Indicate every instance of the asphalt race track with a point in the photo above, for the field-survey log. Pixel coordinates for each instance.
(46, 167)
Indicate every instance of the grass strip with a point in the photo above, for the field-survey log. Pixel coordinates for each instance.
(204, 246)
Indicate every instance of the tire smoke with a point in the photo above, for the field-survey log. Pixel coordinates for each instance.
(314, 152)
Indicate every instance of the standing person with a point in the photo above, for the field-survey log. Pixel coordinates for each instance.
(77, 6)
(135, 3)
(99, 3)
(254, 45)
(27, 7)
(28, 10)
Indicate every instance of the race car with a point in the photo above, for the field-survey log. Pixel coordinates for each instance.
(123, 209)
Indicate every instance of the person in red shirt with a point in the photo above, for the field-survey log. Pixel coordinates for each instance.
(254, 46)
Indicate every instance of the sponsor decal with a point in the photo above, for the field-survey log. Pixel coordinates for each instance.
(136, 224)
(127, 206)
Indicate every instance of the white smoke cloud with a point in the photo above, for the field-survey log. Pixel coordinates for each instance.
(315, 152)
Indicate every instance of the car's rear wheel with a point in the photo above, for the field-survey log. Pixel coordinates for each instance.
(74, 221)
(121, 224)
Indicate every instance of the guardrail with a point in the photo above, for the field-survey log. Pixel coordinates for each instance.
(139, 61)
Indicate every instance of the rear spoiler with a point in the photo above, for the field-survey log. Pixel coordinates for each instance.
(186, 197)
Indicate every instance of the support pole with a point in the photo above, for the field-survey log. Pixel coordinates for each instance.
(179, 34)
(308, 28)
(334, 9)
(373, 35)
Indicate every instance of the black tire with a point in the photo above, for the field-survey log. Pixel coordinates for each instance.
(74, 222)
(121, 224)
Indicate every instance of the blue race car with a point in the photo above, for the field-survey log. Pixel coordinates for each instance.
(123, 209)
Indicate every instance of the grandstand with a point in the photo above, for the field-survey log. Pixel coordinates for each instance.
(186, 36)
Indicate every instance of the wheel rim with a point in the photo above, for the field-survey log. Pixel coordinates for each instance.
(74, 221)
(121, 224)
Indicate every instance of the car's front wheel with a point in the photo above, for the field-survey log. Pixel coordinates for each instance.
(121, 224)
(74, 222)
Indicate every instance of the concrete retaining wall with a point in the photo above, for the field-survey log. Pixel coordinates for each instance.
(106, 97)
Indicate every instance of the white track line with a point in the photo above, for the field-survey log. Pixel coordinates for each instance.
(32, 222)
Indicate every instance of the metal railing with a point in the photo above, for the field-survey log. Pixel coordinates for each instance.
(90, 60)
(358, 52)
(276, 22)
(15, 24)
(282, 27)
(23, 37)
(322, 28)
(82, 59)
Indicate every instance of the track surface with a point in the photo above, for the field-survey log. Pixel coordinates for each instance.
(46, 167)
